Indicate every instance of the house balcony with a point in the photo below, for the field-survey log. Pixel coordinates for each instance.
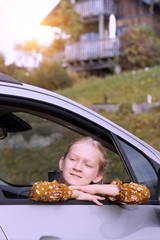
(92, 8)
(92, 50)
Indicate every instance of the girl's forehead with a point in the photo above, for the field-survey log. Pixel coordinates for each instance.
(86, 149)
(82, 144)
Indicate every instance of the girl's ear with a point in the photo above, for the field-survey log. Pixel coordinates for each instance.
(98, 178)
(61, 163)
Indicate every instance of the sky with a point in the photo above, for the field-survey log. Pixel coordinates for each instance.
(20, 21)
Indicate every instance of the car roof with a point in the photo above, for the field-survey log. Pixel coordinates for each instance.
(5, 78)
(10, 87)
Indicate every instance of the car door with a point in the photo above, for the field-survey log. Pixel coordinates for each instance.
(53, 127)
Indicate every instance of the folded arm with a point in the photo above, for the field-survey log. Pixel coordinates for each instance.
(50, 191)
(124, 193)
(54, 192)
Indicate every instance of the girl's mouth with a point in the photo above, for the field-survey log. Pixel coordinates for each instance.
(75, 175)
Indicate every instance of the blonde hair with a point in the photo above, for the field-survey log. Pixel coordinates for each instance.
(103, 163)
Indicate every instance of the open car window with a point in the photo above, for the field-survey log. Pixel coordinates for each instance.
(28, 156)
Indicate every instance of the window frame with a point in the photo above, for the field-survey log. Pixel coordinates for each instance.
(70, 120)
(129, 168)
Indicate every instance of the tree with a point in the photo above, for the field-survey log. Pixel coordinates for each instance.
(56, 46)
(67, 19)
(3, 67)
(50, 76)
(152, 3)
(12, 70)
(30, 48)
(140, 48)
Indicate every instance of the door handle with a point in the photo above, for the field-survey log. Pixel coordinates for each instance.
(50, 238)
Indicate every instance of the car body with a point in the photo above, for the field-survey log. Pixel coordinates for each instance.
(21, 218)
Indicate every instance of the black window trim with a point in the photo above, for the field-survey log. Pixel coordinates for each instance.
(124, 158)
(154, 164)
(58, 115)
(129, 168)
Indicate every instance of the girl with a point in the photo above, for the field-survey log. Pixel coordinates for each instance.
(84, 162)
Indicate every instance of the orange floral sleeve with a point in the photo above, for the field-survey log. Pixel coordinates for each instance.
(50, 191)
(130, 193)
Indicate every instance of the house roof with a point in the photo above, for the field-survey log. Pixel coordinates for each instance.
(47, 21)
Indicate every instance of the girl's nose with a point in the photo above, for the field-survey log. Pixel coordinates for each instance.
(78, 166)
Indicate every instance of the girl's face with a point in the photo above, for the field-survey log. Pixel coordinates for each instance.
(81, 165)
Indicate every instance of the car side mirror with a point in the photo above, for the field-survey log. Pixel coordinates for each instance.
(3, 133)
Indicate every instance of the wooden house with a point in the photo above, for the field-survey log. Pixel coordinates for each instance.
(96, 50)
(144, 13)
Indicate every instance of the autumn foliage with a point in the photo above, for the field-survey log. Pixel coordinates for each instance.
(140, 48)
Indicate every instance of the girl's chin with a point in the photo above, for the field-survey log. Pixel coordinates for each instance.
(76, 183)
(73, 182)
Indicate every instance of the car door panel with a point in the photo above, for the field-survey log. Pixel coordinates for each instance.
(112, 221)
(2, 234)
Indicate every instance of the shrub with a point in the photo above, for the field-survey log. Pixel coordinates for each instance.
(140, 48)
(50, 76)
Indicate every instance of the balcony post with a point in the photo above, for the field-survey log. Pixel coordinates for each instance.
(101, 20)
(101, 26)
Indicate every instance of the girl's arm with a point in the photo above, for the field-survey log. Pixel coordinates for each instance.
(101, 189)
(50, 191)
(130, 193)
(53, 192)
(127, 193)
(124, 193)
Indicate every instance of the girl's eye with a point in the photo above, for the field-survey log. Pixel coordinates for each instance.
(89, 166)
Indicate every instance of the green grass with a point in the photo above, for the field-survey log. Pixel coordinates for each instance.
(125, 88)
(122, 88)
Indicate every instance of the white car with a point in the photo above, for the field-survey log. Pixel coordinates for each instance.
(35, 127)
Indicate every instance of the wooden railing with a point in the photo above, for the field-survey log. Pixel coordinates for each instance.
(89, 50)
(88, 8)
(92, 50)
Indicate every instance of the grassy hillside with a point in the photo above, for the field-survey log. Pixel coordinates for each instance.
(125, 88)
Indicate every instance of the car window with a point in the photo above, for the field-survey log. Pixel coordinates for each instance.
(28, 156)
(142, 168)
(116, 168)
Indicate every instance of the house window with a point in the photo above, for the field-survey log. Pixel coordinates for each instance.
(88, 36)
(120, 30)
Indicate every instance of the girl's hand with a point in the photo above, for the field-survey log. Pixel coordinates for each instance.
(79, 195)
